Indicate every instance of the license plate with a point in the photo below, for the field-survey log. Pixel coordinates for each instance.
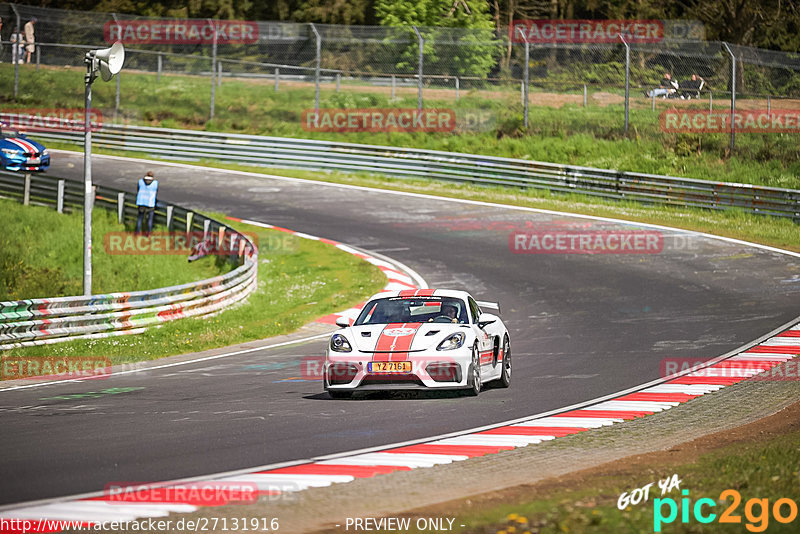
(388, 367)
(34, 161)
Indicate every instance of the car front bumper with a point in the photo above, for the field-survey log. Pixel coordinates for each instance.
(441, 370)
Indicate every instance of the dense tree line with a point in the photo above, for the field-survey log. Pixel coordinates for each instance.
(773, 24)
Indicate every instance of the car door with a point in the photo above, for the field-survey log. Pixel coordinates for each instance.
(485, 342)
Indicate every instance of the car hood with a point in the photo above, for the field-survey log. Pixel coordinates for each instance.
(401, 337)
(21, 144)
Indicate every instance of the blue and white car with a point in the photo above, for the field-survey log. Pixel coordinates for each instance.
(19, 153)
(418, 339)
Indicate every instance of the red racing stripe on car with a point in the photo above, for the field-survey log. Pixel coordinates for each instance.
(27, 147)
(394, 341)
(406, 293)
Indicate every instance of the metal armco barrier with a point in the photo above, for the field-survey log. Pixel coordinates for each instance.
(51, 320)
(190, 145)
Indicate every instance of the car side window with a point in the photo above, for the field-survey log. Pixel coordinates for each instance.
(475, 311)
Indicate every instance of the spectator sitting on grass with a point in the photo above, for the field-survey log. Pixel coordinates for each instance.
(666, 88)
(691, 88)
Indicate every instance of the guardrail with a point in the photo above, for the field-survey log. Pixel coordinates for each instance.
(308, 154)
(51, 320)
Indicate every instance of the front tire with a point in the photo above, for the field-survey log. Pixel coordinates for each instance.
(475, 374)
(505, 374)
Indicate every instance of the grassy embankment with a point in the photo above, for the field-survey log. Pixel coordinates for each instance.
(298, 280)
(570, 134)
(760, 470)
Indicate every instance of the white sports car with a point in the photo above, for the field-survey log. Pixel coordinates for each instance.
(418, 339)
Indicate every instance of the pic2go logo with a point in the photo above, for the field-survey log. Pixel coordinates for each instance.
(756, 511)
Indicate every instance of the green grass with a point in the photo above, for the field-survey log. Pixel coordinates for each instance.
(769, 469)
(570, 134)
(298, 281)
(41, 255)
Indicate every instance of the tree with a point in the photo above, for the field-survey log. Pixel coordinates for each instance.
(459, 35)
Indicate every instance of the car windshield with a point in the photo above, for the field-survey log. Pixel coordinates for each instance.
(414, 310)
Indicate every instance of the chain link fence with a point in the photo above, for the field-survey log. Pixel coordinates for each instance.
(436, 66)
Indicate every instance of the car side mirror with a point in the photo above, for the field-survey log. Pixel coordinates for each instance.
(342, 322)
(486, 319)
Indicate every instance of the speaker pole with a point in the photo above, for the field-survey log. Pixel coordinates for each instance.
(88, 192)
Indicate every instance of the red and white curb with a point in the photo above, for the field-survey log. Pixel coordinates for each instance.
(397, 280)
(655, 397)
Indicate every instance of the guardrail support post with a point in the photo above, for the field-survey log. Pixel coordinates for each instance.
(60, 197)
(38, 54)
(277, 78)
(213, 69)
(627, 80)
(26, 198)
(159, 67)
(733, 95)
(169, 218)
(189, 217)
(420, 64)
(120, 208)
(526, 82)
(206, 226)
(318, 38)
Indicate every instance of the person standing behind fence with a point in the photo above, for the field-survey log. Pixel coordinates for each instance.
(146, 200)
(30, 40)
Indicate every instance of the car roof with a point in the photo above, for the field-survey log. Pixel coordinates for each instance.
(422, 293)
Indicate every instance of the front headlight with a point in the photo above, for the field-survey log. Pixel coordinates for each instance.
(339, 343)
(45, 152)
(453, 341)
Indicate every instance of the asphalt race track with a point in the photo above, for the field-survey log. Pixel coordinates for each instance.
(582, 326)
